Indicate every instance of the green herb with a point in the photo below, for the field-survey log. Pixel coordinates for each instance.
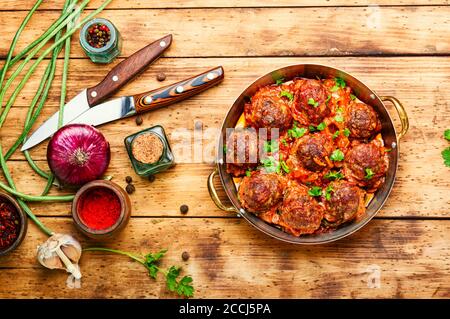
(328, 99)
(271, 165)
(446, 156)
(339, 118)
(225, 149)
(296, 132)
(447, 135)
(248, 173)
(334, 175)
(182, 287)
(312, 128)
(337, 155)
(283, 141)
(321, 126)
(336, 134)
(312, 102)
(340, 83)
(352, 97)
(279, 81)
(285, 167)
(369, 173)
(315, 191)
(328, 192)
(346, 132)
(287, 94)
(271, 146)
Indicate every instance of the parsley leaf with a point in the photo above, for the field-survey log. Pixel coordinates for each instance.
(312, 102)
(369, 173)
(328, 192)
(279, 81)
(446, 156)
(315, 191)
(447, 135)
(296, 132)
(340, 83)
(328, 99)
(334, 175)
(339, 118)
(312, 128)
(353, 97)
(285, 167)
(182, 287)
(346, 132)
(336, 134)
(248, 173)
(271, 165)
(321, 126)
(287, 94)
(283, 141)
(337, 155)
(271, 146)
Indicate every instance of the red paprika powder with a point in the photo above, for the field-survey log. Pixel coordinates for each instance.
(9, 225)
(99, 208)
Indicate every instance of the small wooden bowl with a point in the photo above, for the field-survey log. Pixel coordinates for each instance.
(23, 223)
(121, 222)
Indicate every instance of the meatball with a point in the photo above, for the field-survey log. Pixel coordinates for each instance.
(269, 109)
(362, 120)
(345, 203)
(300, 213)
(241, 151)
(260, 192)
(366, 164)
(313, 151)
(309, 105)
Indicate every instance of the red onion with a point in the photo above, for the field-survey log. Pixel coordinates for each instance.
(77, 154)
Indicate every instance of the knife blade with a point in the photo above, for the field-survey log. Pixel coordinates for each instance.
(140, 103)
(114, 80)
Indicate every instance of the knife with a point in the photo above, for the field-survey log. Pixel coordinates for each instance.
(144, 102)
(121, 74)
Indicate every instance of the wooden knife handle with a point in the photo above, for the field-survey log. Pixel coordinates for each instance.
(179, 91)
(126, 70)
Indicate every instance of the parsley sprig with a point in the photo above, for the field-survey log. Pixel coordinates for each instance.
(183, 287)
(296, 131)
(287, 94)
(340, 83)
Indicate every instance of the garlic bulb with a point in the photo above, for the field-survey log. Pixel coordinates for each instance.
(62, 251)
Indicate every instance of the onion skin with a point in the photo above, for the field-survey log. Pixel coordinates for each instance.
(78, 154)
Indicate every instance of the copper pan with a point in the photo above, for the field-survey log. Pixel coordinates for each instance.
(365, 94)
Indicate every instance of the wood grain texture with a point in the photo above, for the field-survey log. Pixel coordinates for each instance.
(267, 31)
(127, 4)
(421, 189)
(229, 258)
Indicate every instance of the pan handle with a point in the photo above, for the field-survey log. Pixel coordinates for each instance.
(213, 193)
(401, 113)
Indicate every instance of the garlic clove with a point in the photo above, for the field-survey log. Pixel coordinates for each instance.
(73, 253)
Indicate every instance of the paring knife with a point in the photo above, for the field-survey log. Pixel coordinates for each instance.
(121, 74)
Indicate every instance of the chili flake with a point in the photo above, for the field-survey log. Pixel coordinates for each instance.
(9, 225)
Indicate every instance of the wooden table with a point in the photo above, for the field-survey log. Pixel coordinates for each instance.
(401, 50)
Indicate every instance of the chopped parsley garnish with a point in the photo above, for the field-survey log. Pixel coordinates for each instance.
(296, 131)
(271, 165)
(339, 118)
(315, 191)
(337, 155)
(336, 134)
(334, 175)
(447, 135)
(346, 132)
(328, 99)
(369, 173)
(285, 167)
(446, 156)
(248, 173)
(328, 192)
(312, 128)
(271, 146)
(283, 141)
(321, 126)
(279, 81)
(340, 83)
(312, 102)
(353, 97)
(287, 94)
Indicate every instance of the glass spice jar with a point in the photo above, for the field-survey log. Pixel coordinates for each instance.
(149, 151)
(100, 40)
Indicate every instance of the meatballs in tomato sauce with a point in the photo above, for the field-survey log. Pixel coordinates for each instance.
(309, 105)
(362, 121)
(260, 192)
(312, 151)
(366, 164)
(345, 203)
(300, 213)
(241, 151)
(269, 109)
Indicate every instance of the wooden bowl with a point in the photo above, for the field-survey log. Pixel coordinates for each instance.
(121, 222)
(23, 223)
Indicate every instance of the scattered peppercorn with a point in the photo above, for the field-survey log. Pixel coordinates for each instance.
(184, 209)
(128, 179)
(185, 256)
(139, 120)
(161, 76)
(151, 178)
(98, 35)
(130, 188)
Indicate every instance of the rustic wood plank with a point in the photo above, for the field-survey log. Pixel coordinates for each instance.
(267, 31)
(421, 189)
(229, 258)
(131, 4)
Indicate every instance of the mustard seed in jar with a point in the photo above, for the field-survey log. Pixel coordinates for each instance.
(147, 148)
